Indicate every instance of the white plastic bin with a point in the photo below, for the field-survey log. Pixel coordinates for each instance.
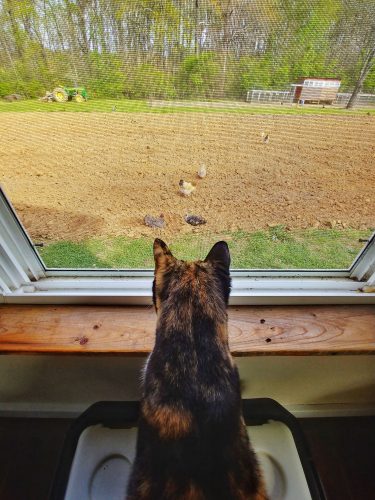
(100, 448)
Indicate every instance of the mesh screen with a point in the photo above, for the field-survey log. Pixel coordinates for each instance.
(122, 121)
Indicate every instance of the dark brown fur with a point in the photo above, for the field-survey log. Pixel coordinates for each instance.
(192, 441)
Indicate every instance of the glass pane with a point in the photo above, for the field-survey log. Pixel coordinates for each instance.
(107, 106)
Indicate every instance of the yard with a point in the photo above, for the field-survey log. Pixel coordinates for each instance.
(83, 181)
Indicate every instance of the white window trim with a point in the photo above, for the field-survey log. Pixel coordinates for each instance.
(25, 280)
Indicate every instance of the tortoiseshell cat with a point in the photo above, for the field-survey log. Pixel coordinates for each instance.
(192, 440)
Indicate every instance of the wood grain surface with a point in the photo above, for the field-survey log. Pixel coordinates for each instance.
(253, 330)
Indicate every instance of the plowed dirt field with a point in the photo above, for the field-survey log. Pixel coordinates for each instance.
(73, 176)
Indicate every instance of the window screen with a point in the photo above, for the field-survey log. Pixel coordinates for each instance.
(191, 121)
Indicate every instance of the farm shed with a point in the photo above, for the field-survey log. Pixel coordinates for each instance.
(316, 90)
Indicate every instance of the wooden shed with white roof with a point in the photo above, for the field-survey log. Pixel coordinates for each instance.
(316, 90)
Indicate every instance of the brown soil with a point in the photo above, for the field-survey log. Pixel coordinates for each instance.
(78, 175)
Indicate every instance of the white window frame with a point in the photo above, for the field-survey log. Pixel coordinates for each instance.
(25, 280)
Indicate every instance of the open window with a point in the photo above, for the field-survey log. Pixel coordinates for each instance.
(130, 123)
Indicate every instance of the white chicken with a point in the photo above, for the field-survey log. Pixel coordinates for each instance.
(202, 172)
(186, 188)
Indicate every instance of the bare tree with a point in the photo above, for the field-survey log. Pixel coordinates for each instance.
(363, 32)
(12, 11)
(196, 19)
(367, 65)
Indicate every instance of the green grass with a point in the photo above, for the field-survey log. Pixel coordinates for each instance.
(94, 105)
(275, 248)
(137, 106)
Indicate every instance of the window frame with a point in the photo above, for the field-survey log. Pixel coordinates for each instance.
(25, 280)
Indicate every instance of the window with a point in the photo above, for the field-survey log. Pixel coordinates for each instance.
(103, 113)
(24, 278)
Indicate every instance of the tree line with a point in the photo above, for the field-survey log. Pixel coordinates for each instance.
(186, 48)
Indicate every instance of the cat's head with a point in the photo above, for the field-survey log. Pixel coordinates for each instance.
(203, 283)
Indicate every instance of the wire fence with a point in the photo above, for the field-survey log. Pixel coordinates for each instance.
(269, 96)
(280, 97)
(363, 99)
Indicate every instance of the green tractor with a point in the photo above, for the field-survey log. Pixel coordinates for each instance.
(76, 94)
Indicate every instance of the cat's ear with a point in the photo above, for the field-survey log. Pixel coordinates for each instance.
(219, 254)
(162, 254)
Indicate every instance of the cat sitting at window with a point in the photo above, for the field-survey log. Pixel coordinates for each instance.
(192, 440)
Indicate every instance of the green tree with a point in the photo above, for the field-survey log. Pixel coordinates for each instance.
(193, 48)
(362, 21)
(148, 81)
(106, 77)
(255, 73)
(198, 75)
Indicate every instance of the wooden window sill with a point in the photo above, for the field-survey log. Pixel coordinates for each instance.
(253, 330)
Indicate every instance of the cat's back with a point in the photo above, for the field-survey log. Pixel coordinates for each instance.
(192, 441)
